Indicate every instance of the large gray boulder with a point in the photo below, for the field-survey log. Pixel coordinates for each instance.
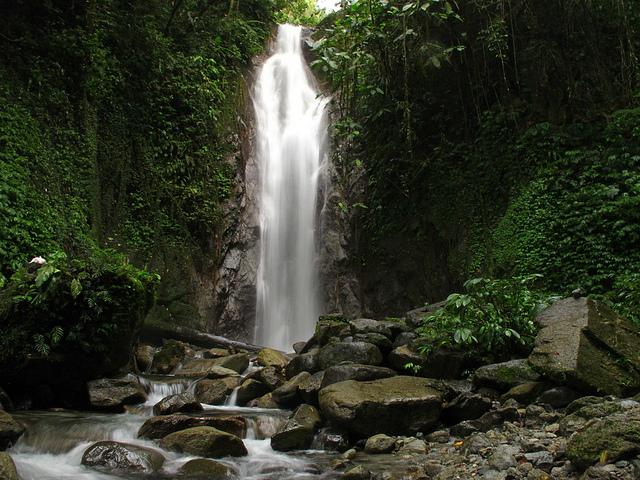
(505, 375)
(297, 433)
(357, 352)
(585, 344)
(116, 457)
(10, 430)
(306, 362)
(354, 371)
(204, 442)
(115, 393)
(395, 405)
(162, 425)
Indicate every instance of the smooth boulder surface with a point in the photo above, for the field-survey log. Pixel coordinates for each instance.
(161, 426)
(366, 325)
(585, 344)
(10, 430)
(200, 367)
(250, 390)
(204, 442)
(115, 393)
(357, 352)
(181, 402)
(379, 443)
(306, 362)
(299, 430)
(505, 375)
(289, 393)
(214, 392)
(395, 405)
(209, 469)
(330, 327)
(355, 371)
(122, 457)
(268, 357)
(7, 467)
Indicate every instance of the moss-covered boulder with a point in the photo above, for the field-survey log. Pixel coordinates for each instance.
(209, 469)
(215, 392)
(331, 327)
(297, 433)
(10, 430)
(357, 352)
(249, 390)
(395, 405)
(169, 357)
(585, 344)
(204, 442)
(181, 402)
(354, 371)
(505, 375)
(7, 467)
(610, 439)
(268, 357)
(116, 457)
(162, 425)
(289, 394)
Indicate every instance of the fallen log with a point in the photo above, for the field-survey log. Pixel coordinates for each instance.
(154, 334)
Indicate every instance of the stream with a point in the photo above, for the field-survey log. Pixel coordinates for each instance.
(53, 445)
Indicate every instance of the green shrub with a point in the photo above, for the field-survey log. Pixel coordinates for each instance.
(493, 316)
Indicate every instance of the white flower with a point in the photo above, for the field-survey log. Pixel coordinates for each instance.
(38, 260)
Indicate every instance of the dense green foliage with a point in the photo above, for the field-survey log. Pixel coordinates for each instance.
(72, 306)
(497, 138)
(494, 316)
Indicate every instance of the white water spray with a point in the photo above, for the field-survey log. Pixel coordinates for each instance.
(291, 132)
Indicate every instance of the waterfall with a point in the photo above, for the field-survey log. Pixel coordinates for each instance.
(290, 131)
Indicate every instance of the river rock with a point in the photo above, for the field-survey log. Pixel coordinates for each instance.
(310, 387)
(438, 364)
(355, 371)
(268, 357)
(119, 457)
(366, 325)
(586, 345)
(115, 393)
(181, 402)
(217, 372)
(306, 362)
(204, 442)
(265, 401)
(357, 352)
(331, 439)
(10, 430)
(466, 406)
(249, 390)
(144, 357)
(383, 343)
(331, 327)
(610, 439)
(558, 397)
(525, 393)
(169, 357)
(380, 443)
(7, 467)
(288, 394)
(214, 392)
(503, 376)
(206, 468)
(297, 433)
(216, 353)
(395, 405)
(358, 472)
(202, 366)
(161, 426)
(270, 376)
(404, 338)
(504, 457)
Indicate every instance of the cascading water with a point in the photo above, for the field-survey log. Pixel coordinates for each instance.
(291, 131)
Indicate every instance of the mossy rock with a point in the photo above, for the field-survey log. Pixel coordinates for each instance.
(209, 469)
(204, 442)
(268, 357)
(505, 375)
(616, 437)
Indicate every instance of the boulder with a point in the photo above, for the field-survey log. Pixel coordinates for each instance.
(616, 437)
(199, 367)
(114, 393)
(306, 362)
(466, 406)
(588, 410)
(181, 402)
(116, 457)
(169, 357)
(10, 430)
(270, 376)
(503, 376)
(525, 393)
(204, 442)
(268, 357)
(297, 433)
(144, 357)
(216, 353)
(357, 352)
(214, 392)
(383, 343)
(365, 326)
(299, 346)
(439, 364)
(161, 426)
(7, 467)
(206, 468)
(220, 372)
(331, 439)
(331, 327)
(584, 344)
(310, 387)
(354, 371)
(380, 443)
(249, 390)
(265, 401)
(288, 394)
(404, 338)
(357, 473)
(557, 397)
(395, 405)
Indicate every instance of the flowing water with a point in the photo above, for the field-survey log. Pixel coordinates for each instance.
(54, 442)
(291, 132)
